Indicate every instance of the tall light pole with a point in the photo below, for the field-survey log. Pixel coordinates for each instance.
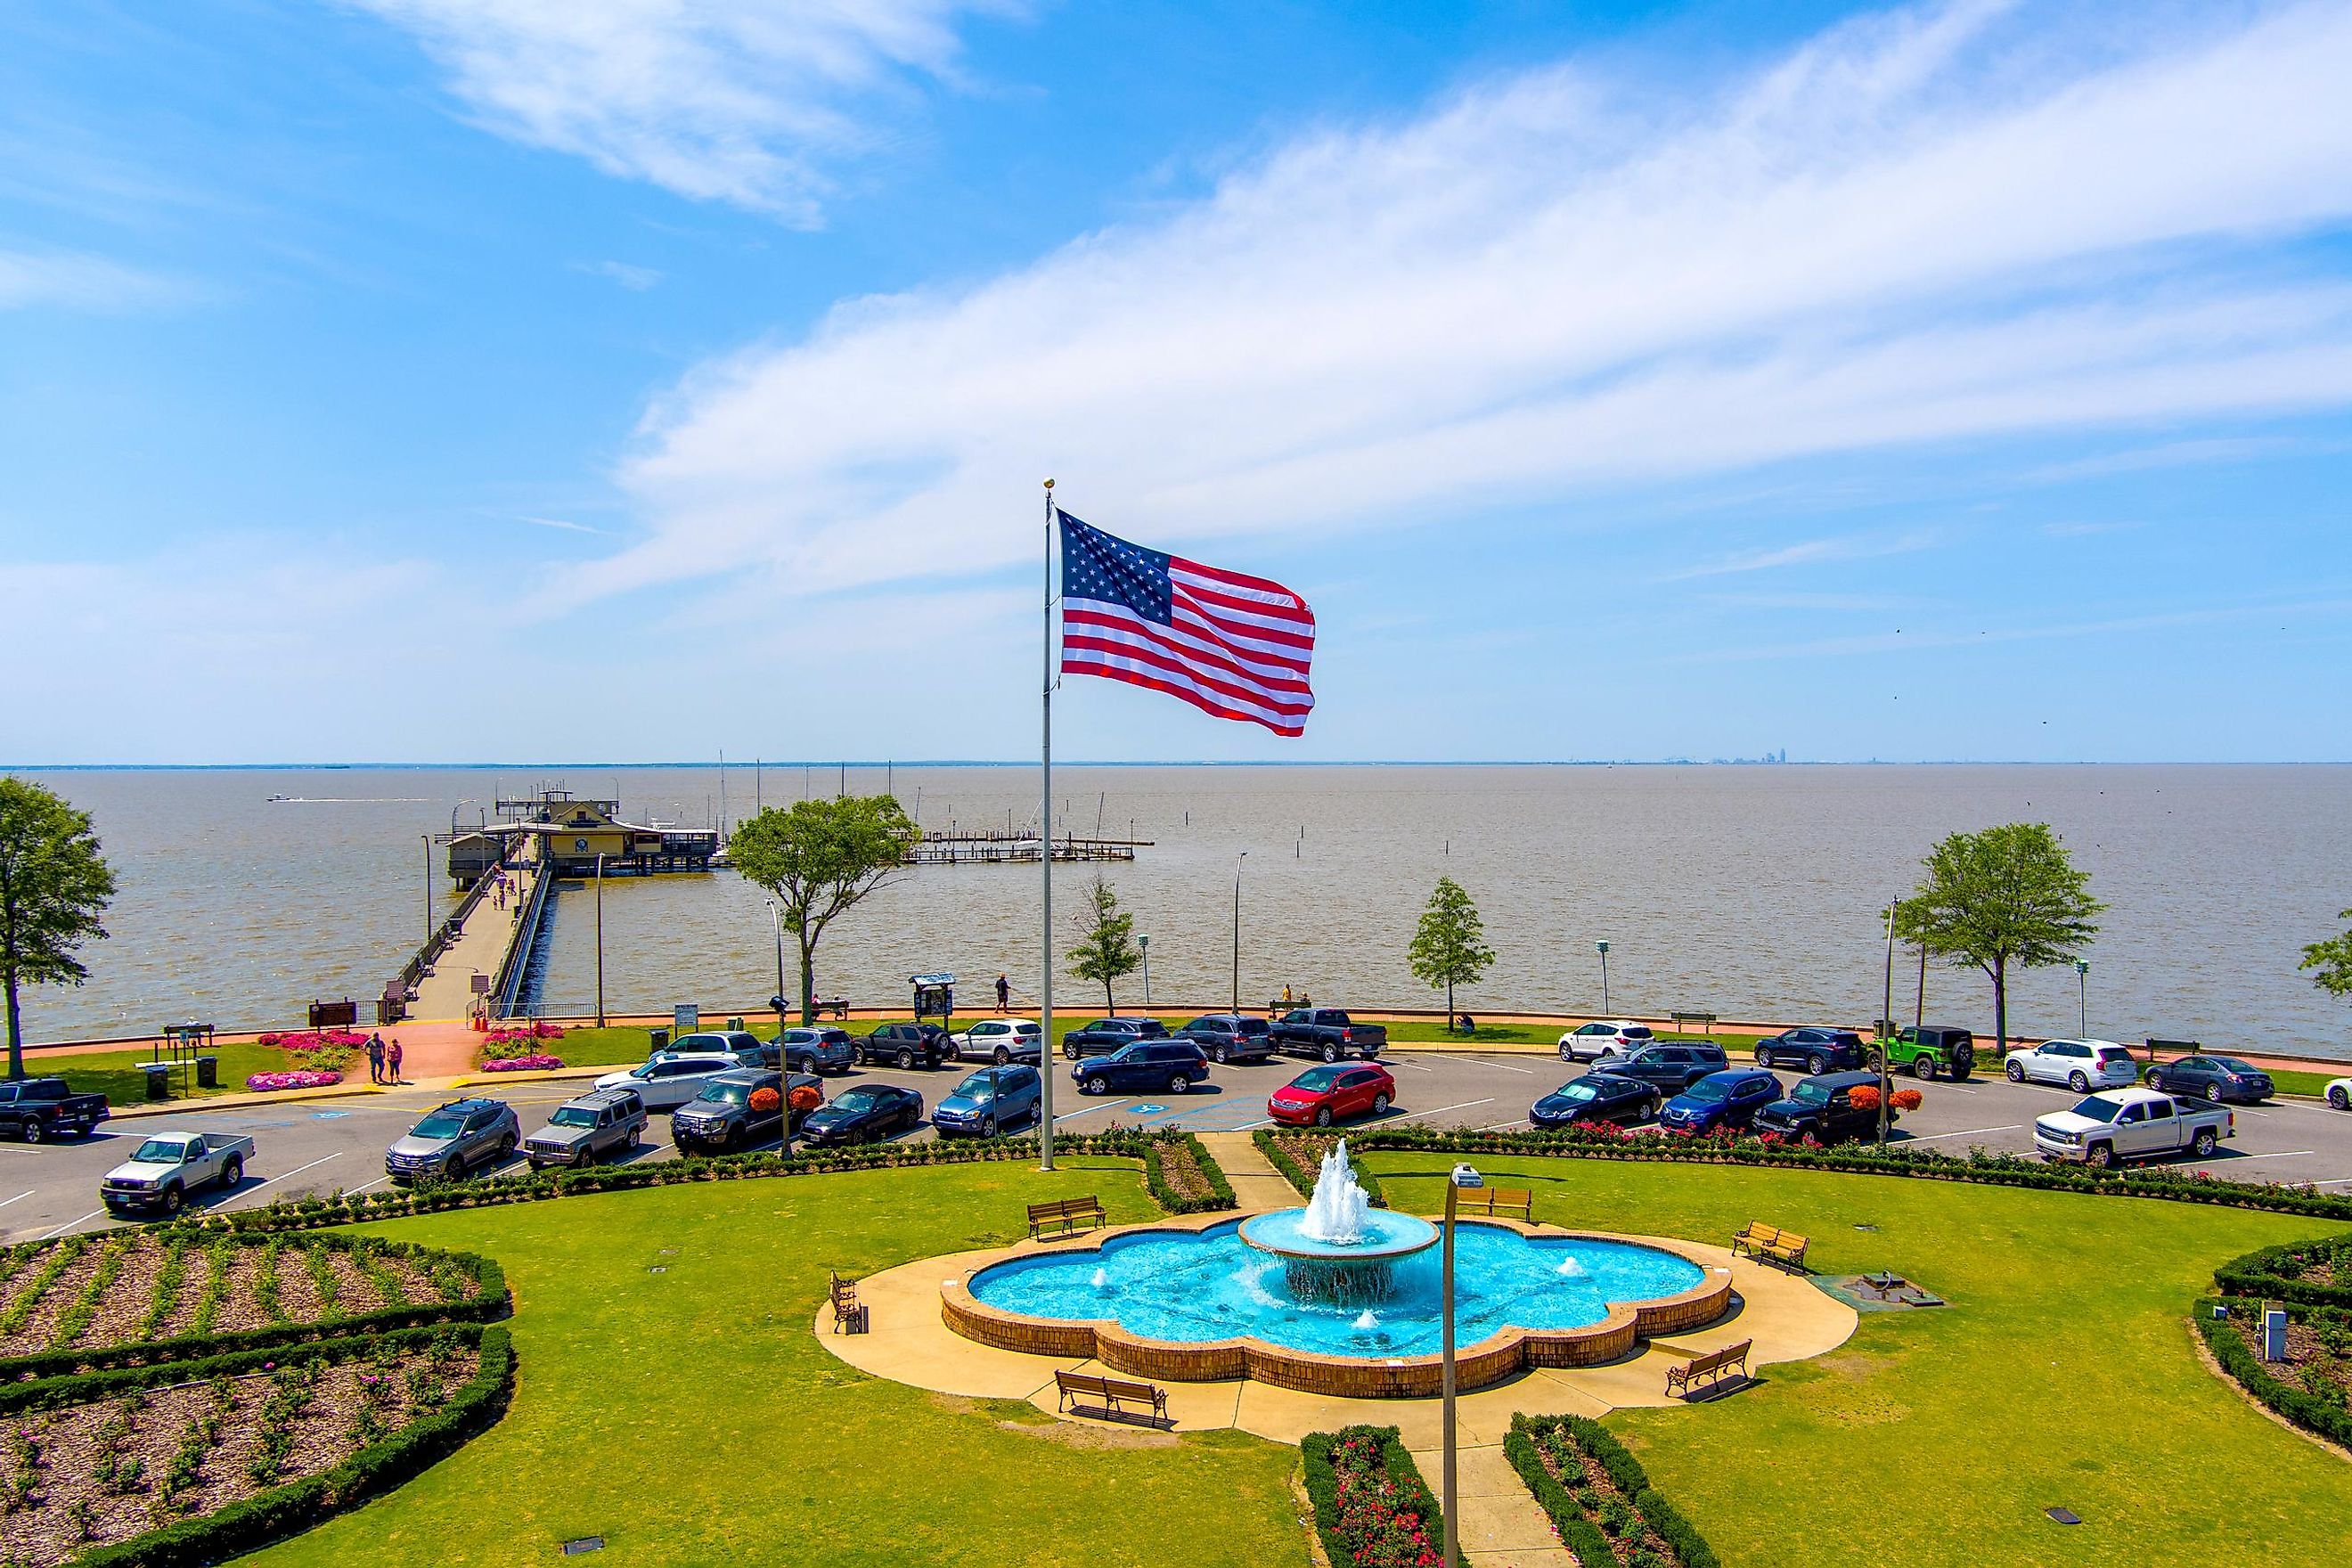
(1462, 1176)
(776, 919)
(600, 940)
(1603, 949)
(1237, 932)
(2083, 996)
(428, 839)
(1144, 942)
(1886, 1025)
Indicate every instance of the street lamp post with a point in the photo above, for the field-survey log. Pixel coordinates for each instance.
(600, 941)
(1237, 931)
(1603, 949)
(1464, 1176)
(776, 920)
(428, 839)
(1886, 1025)
(2083, 996)
(1144, 942)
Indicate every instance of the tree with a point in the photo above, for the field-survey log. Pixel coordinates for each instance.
(1107, 951)
(2333, 959)
(1450, 948)
(54, 884)
(818, 858)
(2007, 898)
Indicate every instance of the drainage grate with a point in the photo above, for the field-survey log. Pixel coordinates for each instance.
(584, 1543)
(2062, 1515)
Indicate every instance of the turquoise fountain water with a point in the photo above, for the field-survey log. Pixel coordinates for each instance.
(1339, 1278)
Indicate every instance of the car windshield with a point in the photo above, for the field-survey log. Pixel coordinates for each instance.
(1579, 1090)
(159, 1151)
(979, 1085)
(796, 1037)
(2231, 1064)
(1707, 1091)
(2097, 1110)
(726, 1094)
(1318, 1078)
(1809, 1093)
(572, 1116)
(858, 1099)
(991, 1028)
(437, 1127)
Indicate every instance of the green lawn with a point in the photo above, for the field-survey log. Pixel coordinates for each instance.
(2062, 1374)
(690, 1418)
(116, 1075)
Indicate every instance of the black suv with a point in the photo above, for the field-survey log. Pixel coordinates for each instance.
(1173, 1064)
(1816, 1050)
(1821, 1108)
(1105, 1036)
(903, 1045)
(1230, 1038)
(730, 1113)
(1672, 1068)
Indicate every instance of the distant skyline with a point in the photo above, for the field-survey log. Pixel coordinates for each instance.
(1963, 382)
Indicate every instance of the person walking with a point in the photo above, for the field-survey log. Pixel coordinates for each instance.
(1003, 995)
(375, 1058)
(392, 1060)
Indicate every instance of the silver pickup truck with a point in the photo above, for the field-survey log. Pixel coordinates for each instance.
(168, 1166)
(2119, 1124)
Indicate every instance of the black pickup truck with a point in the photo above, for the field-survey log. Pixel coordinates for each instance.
(1327, 1033)
(35, 1108)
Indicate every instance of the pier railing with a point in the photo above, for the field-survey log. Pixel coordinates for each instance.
(514, 969)
(445, 936)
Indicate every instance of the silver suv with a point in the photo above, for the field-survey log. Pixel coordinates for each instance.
(584, 1131)
(461, 1136)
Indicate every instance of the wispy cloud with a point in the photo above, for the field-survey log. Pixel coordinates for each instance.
(742, 101)
(1850, 547)
(2083, 529)
(2184, 454)
(567, 525)
(637, 279)
(1539, 288)
(80, 282)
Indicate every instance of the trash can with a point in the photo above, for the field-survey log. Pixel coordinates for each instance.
(735, 1023)
(208, 1072)
(158, 1079)
(661, 1039)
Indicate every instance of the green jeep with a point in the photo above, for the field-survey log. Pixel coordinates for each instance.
(1929, 1050)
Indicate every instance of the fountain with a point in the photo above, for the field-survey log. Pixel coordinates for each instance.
(1338, 1249)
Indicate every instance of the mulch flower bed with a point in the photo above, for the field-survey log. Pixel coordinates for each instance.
(1383, 1520)
(85, 1475)
(130, 1286)
(1182, 1171)
(2318, 1355)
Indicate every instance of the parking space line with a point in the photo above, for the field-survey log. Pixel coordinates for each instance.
(2281, 1154)
(19, 1198)
(1508, 1068)
(71, 1222)
(1396, 1062)
(273, 1180)
(1966, 1132)
(1108, 1105)
(354, 1192)
(1500, 1126)
(1442, 1109)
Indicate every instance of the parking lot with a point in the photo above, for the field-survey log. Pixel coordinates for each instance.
(325, 1145)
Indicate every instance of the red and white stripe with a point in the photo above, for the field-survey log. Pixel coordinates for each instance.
(1239, 646)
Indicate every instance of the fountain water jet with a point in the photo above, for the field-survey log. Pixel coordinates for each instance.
(1338, 1249)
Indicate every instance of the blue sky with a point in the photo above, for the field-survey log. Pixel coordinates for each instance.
(443, 380)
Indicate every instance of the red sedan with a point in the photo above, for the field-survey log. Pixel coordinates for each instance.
(1320, 1096)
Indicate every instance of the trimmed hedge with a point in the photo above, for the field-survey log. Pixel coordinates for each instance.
(302, 1504)
(82, 1388)
(490, 1299)
(2298, 1405)
(1978, 1167)
(1322, 1482)
(536, 1186)
(2277, 1272)
(1221, 1191)
(1303, 1180)
(1578, 1532)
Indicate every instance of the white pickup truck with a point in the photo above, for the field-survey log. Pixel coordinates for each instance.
(168, 1166)
(2121, 1124)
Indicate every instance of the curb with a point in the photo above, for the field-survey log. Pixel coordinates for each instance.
(233, 1102)
(550, 1074)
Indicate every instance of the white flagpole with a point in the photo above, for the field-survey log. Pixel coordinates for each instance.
(1045, 1053)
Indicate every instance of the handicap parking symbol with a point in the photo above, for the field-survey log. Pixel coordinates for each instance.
(1146, 1110)
(328, 1115)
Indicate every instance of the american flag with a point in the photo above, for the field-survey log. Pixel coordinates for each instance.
(1231, 645)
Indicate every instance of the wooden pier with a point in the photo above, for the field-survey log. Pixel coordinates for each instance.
(1013, 849)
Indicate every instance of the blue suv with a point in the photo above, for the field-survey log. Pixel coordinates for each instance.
(989, 1102)
(1720, 1100)
(1147, 1065)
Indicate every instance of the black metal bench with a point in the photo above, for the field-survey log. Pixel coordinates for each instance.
(1115, 1396)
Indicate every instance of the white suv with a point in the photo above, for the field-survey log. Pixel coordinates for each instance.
(1593, 1041)
(1003, 1040)
(668, 1080)
(2081, 1065)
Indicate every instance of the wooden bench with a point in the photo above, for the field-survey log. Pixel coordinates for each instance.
(1114, 1397)
(1752, 1240)
(1788, 1249)
(1710, 1369)
(849, 1313)
(1066, 1217)
(1490, 1201)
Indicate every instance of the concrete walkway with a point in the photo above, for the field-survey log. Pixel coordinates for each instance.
(1256, 1185)
(1495, 1516)
(447, 994)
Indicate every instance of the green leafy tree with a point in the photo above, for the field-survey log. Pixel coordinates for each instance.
(2333, 959)
(53, 885)
(817, 858)
(2007, 898)
(1106, 951)
(1450, 947)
